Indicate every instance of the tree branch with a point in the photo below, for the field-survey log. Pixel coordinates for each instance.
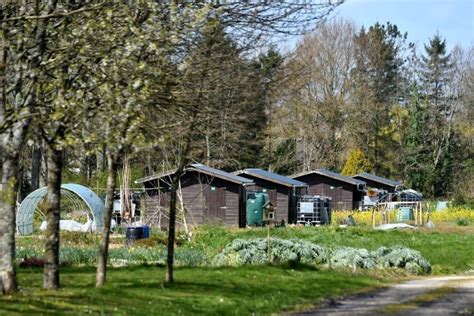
(53, 15)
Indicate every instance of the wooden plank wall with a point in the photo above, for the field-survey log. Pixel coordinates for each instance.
(194, 190)
(342, 193)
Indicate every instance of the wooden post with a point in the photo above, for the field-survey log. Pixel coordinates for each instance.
(373, 217)
(416, 214)
(421, 215)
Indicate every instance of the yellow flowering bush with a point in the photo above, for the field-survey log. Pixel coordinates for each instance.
(365, 217)
(453, 214)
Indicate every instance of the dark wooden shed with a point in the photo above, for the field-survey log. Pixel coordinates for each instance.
(346, 192)
(281, 190)
(377, 182)
(208, 195)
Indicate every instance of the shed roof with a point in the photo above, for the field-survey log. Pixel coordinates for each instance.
(272, 177)
(373, 177)
(330, 174)
(203, 169)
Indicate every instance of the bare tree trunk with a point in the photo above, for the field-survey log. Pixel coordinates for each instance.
(171, 229)
(53, 215)
(35, 167)
(8, 189)
(173, 199)
(10, 145)
(112, 162)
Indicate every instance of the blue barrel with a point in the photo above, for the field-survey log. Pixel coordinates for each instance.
(405, 214)
(146, 231)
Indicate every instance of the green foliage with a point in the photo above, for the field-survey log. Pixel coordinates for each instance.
(212, 240)
(71, 255)
(356, 163)
(398, 256)
(435, 150)
(261, 251)
(79, 239)
(377, 81)
(463, 222)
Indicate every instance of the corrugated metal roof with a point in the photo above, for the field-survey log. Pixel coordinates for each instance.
(221, 174)
(156, 176)
(273, 177)
(375, 178)
(200, 168)
(330, 174)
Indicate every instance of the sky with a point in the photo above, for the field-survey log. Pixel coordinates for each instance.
(421, 19)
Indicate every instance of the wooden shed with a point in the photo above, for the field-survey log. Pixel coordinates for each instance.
(281, 190)
(377, 182)
(346, 192)
(207, 195)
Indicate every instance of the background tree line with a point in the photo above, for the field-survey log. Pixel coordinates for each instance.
(347, 99)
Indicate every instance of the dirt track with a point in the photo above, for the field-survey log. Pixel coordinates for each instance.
(449, 295)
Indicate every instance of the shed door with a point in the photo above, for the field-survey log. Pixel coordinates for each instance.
(215, 204)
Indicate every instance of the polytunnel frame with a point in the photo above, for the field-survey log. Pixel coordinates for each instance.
(74, 192)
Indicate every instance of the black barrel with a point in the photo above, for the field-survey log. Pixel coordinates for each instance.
(133, 233)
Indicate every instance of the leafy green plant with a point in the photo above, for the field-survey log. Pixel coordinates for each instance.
(79, 238)
(260, 251)
(463, 222)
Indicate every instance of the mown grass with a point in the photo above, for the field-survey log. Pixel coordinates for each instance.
(210, 291)
(245, 290)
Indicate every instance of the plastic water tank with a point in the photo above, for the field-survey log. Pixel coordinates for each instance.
(255, 208)
(405, 214)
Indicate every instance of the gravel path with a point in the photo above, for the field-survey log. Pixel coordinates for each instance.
(407, 299)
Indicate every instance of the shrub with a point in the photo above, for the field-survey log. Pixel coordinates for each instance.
(347, 257)
(261, 251)
(463, 222)
(402, 257)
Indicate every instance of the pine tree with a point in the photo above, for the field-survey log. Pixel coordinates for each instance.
(376, 80)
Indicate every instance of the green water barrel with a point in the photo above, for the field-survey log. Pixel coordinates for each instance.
(255, 203)
(405, 214)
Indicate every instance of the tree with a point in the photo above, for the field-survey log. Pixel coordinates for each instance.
(433, 141)
(132, 79)
(312, 108)
(59, 97)
(356, 163)
(264, 18)
(22, 43)
(376, 89)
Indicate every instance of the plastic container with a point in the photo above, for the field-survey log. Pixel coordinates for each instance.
(133, 233)
(146, 231)
(255, 208)
(405, 214)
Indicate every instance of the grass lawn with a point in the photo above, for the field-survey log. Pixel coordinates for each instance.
(211, 291)
(232, 290)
